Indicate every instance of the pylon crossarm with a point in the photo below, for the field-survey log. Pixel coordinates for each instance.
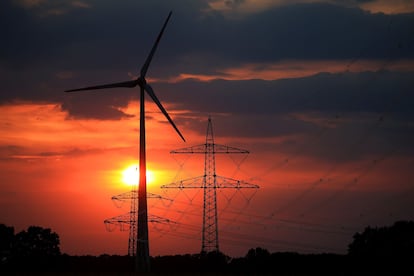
(226, 149)
(196, 182)
(225, 182)
(122, 221)
(133, 195)
(189, 150)
(203, 149)
(151, 195)
(158, 219)
(125, 196)
(125, 218)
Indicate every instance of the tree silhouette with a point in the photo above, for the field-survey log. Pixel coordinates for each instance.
(394, 241)
(257, 253)
(6, 241)
(36, 241)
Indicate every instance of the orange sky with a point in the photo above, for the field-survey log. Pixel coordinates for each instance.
(69, 169)
(61, 173)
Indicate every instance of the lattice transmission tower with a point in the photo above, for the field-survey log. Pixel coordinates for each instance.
(129, 221)
(210, 182)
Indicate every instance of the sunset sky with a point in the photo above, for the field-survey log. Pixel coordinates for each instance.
(320, 93)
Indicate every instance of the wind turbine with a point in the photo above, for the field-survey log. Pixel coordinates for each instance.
(142, 254)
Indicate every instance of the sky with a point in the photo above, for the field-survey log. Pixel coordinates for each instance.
(319, 92)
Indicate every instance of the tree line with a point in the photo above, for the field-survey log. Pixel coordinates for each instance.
(387, 249)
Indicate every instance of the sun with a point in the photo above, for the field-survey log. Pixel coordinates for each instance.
(130, 175)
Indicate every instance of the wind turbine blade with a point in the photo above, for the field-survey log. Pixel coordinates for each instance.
(155, 99)
(144, 68)
(105, 86)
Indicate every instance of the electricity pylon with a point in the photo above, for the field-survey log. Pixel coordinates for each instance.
(210, 182)
(129, 221)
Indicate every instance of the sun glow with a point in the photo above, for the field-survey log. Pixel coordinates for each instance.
(130, 175)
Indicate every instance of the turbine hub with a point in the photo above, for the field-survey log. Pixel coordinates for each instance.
(141, 81)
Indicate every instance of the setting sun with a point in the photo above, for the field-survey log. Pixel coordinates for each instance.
(130, 175)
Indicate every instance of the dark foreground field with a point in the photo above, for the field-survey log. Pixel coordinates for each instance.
(375, 251)
(258, 263)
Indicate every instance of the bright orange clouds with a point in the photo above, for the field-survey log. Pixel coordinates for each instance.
(298, 68)
(253, 6)
(388, 7)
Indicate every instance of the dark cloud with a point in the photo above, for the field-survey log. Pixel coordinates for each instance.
(108, 35)
(8, 151)
(381, 91)
(233, 3)
(18, 30)
(107, 43)
(84, 110)
(352, 2)
(344, 116)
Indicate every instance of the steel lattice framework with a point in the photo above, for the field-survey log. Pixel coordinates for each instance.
(210, 182)
(130, 220)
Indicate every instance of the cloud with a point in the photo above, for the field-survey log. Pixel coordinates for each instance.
(241, 8)
(96, 106)
(341, 92)
(295, 69)
(348, 109)
(307, 31)
(47, 7)
(80, 4)
(99, 45)
(388, 7)
(30, 3)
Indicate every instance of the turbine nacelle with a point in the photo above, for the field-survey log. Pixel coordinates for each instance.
(142, 82)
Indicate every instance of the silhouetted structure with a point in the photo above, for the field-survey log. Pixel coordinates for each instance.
(6, 241)
(210, 182)
(30, 250)
(36, 241)
(128, 221)
(384, 242)
(139, 212)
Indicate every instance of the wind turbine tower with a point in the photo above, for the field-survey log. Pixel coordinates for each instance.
(139, 206)
(210, 182)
